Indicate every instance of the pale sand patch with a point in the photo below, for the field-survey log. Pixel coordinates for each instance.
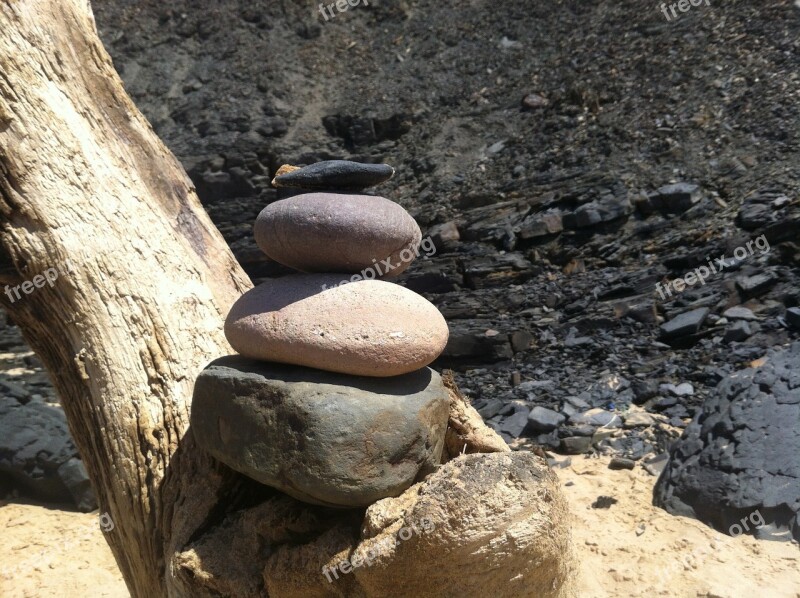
(615, 561)
(53, 553)
(673, 556)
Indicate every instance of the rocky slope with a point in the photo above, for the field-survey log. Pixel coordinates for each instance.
(535, 143)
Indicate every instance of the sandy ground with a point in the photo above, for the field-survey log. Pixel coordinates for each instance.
(636, 549)
(630, 549)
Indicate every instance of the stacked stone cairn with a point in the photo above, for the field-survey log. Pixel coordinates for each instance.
(330, 399)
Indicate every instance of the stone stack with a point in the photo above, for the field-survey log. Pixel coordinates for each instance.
(330, 399)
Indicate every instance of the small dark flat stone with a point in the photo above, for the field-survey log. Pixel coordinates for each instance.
(515, 424)
(740, 313)
(644, 390)
(753, 286)
(678, 197)
(621, 463)
(684, 324)
(604, 502)
(491, 408)
(596, 417)
(336, 174)
(542, 419)
(737, 333)
(665, 403)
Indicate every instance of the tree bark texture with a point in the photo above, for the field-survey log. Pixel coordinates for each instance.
(125, 329)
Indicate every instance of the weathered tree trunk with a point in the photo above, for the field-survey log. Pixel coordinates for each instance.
(84, 181)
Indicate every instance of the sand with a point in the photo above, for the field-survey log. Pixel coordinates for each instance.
(630, 549)
(636, 549)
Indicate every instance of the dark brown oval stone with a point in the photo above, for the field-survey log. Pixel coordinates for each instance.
(332, 232)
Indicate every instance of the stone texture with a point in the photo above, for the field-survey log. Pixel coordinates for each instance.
(335, 174)
(740, 313)
(445, 236)
(38, 456)
(482, 525)
(737, 332)
(754, 286)
(677, 198)
(596, 417)
(332, 232)
(297, 539)
(793, 317)
(684, 324)
(741, 454)
(366, 328)
(541, 419)
(323, 438)
(638, 419)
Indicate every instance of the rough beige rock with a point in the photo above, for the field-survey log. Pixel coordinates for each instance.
(365, 328)
(492, 525)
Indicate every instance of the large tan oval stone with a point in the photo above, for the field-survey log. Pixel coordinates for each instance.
(339, 232)
(365, 328)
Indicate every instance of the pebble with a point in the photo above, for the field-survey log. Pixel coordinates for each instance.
(515, 424)
(681, 390)
(740, 313)
(541, 419)
(364, 235)
(638, 419)
(333, 175)
(685, 324)
(367, 328)
(678, 197)
(740, 331)
(596, 417)
(576, 445)
(753, 286)
(621, 463)
(534, 100)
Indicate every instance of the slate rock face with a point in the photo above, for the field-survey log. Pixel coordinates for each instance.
(37, 454)
(323, 438)
(741, 454)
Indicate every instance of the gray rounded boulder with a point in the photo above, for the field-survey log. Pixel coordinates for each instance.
(339, 232)
(323, 438)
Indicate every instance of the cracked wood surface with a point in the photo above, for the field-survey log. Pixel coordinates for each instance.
(84, 180)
